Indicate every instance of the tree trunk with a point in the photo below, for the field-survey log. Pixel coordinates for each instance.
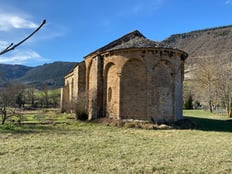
(3, 120)
(230, 108)
(210, 106)
(4, 115)
(32, 101)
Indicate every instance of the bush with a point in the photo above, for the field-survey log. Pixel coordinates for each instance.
(189, 103)
(82, 116)
(80, 107)
(8, 126)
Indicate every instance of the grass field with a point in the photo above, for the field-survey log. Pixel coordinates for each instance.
(94, 148)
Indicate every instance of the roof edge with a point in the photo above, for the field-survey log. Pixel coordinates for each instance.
(183, 53)
(118, 41)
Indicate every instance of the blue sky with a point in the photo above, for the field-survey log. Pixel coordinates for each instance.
(75, 28)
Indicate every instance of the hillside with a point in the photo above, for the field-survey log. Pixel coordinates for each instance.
(11, 72)
(51, 74)
(215, 43)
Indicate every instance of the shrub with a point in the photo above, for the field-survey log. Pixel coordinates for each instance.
(82, 116)
(80, 107)
(188, 104)
(8, 126)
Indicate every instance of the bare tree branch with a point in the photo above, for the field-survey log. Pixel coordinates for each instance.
(13, 46)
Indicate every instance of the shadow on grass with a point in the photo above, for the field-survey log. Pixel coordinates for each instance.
(206, 124)
(28, 128)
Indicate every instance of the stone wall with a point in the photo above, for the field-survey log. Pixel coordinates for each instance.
(74, 88)
(132, 83)
(67, 93)
(143, 84)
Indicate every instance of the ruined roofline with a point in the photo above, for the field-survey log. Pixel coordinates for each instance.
(68, 75)
(124, 38)
(71, 71)
(184, 55)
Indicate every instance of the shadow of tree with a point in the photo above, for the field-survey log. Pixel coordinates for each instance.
(206, 124)
(28, 128)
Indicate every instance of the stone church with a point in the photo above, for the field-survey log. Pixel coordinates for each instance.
(130, 78)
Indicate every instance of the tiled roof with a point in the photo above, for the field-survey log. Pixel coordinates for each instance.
(131, 40)
(136, 42)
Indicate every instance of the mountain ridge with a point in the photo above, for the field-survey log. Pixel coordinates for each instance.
(50, 74)
(203, 42)
(214, 43)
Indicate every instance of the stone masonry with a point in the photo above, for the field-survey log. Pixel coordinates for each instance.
(129, 78)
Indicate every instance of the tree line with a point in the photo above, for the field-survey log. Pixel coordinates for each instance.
(15, 97)
(211, 84)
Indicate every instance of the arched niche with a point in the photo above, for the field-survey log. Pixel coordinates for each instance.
(162, 91)
(111, 91)
(133, 90)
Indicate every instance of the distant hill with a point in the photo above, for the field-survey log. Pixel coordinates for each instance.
(215, 43)
(11, 72)
(51, 74)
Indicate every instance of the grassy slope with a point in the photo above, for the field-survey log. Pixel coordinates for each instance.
(94, 148)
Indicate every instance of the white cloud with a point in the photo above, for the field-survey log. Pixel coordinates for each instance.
(22, 57)
(228, 2)
(14, 21)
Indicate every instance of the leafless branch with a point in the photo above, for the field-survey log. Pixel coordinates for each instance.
(13, 46)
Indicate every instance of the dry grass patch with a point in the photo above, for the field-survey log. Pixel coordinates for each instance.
(95, 148)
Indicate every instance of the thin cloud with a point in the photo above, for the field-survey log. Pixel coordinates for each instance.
(14, 21)
(142, 7)
(22, 57)
(3, 44)
(228, 2)
(52, 31)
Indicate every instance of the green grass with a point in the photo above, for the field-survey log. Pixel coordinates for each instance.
(44, 116)
(203, 114)
(94, 148)
(209, 121)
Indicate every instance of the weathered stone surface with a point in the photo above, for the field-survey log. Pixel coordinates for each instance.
(130, 78)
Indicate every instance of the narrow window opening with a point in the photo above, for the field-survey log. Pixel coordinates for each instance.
(109, 94)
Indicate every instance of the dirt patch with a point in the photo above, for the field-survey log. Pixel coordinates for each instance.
(130, 123)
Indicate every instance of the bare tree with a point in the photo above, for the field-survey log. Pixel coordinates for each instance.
(45, 96)
(12, 46)
(30, 95)
(4, 102)
(213, 80)
(224, 84)
(8, 100)
(205, 80)
(55, 97)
